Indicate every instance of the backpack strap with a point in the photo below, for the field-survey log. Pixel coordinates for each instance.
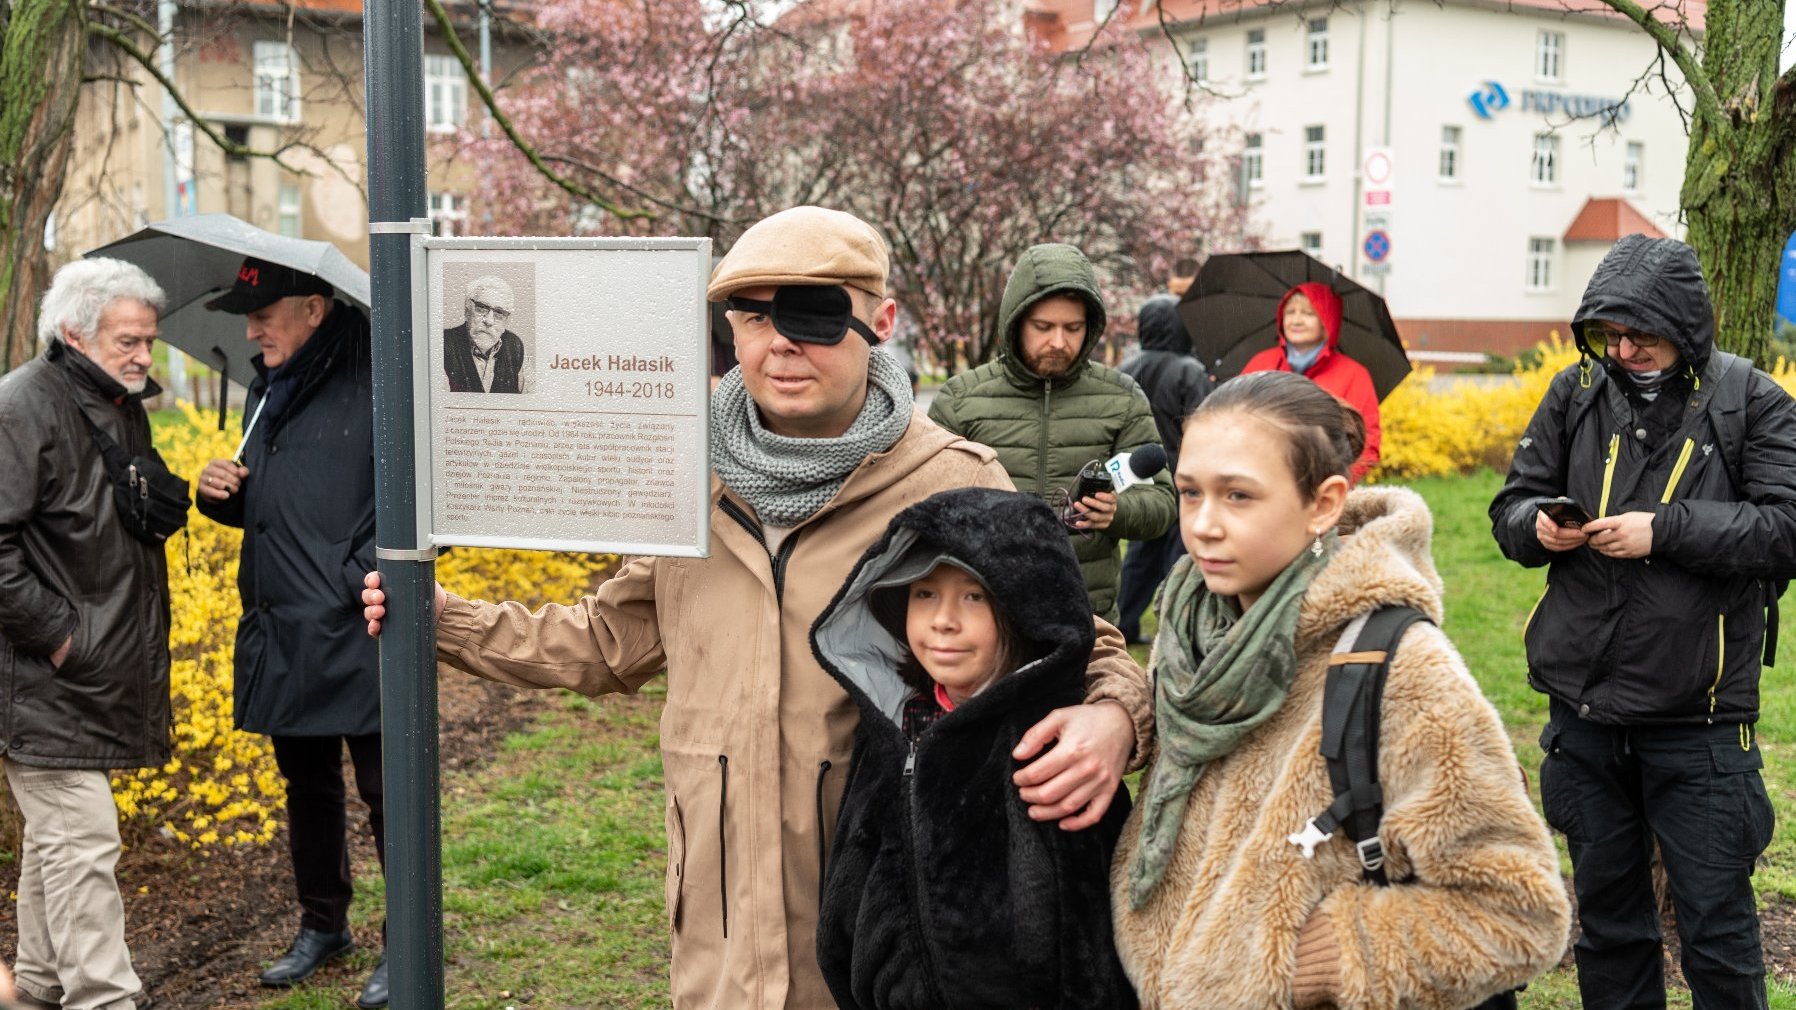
(1352, 710)
(1731, 376)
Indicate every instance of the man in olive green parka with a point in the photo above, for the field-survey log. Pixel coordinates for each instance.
(1048, 409)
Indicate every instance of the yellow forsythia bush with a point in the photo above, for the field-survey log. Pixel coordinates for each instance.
(221, 787)
(1429, 433)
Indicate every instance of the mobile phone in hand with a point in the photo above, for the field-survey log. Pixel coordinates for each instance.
(1567, 513)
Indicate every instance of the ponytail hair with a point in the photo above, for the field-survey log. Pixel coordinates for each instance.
(1323, 435)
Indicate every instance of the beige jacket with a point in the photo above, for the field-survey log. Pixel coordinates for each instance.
(755, 737)
(1486, 909)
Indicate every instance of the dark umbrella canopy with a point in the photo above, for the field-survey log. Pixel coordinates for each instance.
(1230, 312)
(196, 258)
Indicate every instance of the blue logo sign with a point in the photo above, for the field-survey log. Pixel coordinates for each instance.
(1488, 99)
(1377, 245)
(1493, 98)
(1786, 284)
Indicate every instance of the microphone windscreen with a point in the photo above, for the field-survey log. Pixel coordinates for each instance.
(1148, 460)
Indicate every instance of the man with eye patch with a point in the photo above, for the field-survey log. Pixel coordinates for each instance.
(481, 355)
(815, 446)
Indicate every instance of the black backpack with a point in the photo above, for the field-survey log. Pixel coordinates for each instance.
(1352, 707)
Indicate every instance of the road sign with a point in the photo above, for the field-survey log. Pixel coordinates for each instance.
(1376, 174)
(1377, 245)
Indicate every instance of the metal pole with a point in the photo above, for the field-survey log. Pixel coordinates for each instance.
(486, 58)
(171, 204)
(393, 48)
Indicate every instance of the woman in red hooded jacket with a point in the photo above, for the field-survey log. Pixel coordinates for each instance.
(1309, 334)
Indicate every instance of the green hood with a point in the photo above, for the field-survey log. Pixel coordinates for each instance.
(1049, 269)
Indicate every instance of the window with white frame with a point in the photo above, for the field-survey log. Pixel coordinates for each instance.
(287, 212)
(277, 81)
(1253, 161)
(1256, 54)
(1633, 166)
(1549, 56)
(1540, 263)
(1317, 44)
(1315, 152)
(445, 93)
(1197, 61)
(448, 214)
(1311, 242)
(1545, 169)
(1452, 139)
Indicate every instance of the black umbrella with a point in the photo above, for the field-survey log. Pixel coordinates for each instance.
(1230, 313)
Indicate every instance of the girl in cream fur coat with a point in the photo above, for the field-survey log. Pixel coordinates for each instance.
(1215, 907)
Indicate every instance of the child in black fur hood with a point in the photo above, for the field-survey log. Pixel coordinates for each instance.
(963, 626)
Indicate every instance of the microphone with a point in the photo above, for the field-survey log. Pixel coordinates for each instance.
(1128, 469)
(1123, 471)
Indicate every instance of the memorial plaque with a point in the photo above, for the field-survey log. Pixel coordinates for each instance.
(562, 393)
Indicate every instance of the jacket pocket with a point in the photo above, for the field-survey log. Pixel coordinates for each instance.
(1740, 818)
(1559, 794)
(676, 861)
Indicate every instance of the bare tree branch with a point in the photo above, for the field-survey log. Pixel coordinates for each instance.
(570, 186)
(1708, 104)
(124, 43)
(126, 16)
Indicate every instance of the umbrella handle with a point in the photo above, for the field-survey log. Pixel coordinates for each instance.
(224, 366)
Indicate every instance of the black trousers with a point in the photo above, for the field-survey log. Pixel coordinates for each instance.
(317, 820)
(1144, 567)
(1698, 790)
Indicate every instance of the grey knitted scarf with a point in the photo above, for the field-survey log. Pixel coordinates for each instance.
(786, 480)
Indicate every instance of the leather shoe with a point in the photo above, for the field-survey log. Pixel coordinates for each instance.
(310, 950)
(375, 993)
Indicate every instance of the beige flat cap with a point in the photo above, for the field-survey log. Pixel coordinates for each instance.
(804, 245)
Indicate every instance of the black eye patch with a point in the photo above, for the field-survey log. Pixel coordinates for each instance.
(810, 314)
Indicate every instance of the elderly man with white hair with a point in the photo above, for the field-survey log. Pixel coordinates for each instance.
(84, 655)
(481, 355)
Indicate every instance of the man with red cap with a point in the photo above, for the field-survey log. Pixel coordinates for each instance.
(1309, 337)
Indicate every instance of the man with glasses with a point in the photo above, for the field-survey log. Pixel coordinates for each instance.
(481, 355)
(1657, 483)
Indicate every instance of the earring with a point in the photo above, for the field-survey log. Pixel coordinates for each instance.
(1316, 545)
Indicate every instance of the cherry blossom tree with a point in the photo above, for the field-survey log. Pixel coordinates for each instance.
(937, 120)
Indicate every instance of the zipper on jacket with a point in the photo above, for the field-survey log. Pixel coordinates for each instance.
(1535, 609)
(777, 558)
(1677, 470)
(723, 840)
(909, 794)
(1041, 444)
(1602, 508)
(1720, 660)
(823, 768)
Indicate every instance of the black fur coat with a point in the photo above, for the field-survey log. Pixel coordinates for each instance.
(940, 891)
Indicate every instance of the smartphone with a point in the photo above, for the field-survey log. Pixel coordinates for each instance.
(1567, 513)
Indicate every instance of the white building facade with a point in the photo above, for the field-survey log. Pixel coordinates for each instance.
(1471, 159)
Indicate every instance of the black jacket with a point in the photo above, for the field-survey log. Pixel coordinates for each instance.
(305, 663)
(940, 891)
(1675, 637)
(68, 567)
(1174, 381)
(464, 377)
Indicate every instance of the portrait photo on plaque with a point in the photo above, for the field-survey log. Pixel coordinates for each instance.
(489, 326)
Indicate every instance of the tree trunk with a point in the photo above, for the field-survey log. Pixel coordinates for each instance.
(1739, 196)
(42, 49)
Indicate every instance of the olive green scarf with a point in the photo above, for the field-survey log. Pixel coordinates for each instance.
(1217, 675)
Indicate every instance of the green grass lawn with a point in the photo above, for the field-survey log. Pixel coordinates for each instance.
(553, 852)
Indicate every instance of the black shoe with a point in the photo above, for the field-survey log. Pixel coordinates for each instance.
(310, 950)
(375, 993)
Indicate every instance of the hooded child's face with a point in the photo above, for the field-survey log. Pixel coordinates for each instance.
(1053, 333)
(1302, 326)
(952, 630)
